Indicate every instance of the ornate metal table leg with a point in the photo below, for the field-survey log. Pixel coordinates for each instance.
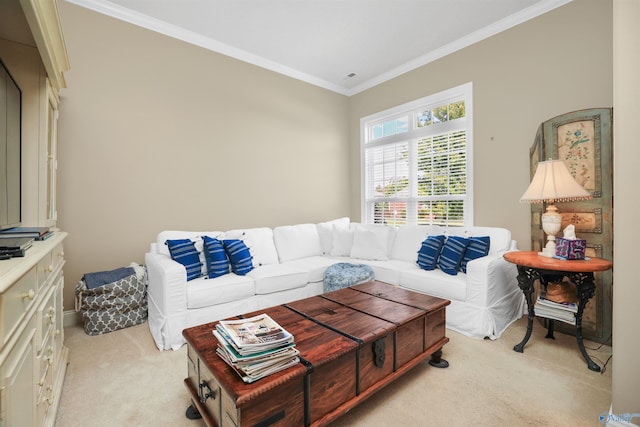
(526, 278)
(585, 289)
(551, 324)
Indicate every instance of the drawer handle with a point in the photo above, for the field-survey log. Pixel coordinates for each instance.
(61, 254)
(49, 269)
(206, 396)
(31, 294)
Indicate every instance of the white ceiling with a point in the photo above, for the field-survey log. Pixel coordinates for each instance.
(323, 41)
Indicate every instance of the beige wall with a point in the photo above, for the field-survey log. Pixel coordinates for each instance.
(157, 134)
(548, 66)
(626, 292)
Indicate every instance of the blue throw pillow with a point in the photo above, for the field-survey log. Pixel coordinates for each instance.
(216, 257)
(239, 256)
(478, 247)
(184, 252)
(452, 253)
(429, 251)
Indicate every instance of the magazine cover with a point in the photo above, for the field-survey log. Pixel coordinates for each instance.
(257, 330)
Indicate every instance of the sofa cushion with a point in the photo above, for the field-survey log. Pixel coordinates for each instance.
(239, 256)
(430, 251)
(216, 257)
(297, 241)
(342, 241)
(500, 237)
(385, 271)
(452, 253)
(325, 232)
(435, 282)
(313, 265)
(409, 239)
(260, 244)
(203, 292)
(370, 243)
(478, 247)
(278, 277)
(184, 252)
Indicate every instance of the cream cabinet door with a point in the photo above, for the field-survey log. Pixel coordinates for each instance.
(18, 380)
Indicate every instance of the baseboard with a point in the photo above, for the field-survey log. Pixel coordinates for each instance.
(71, 318)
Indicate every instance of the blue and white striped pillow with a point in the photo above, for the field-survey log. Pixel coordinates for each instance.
(478, 247)
(184, 251)
(239, 256)
(452, 253)
(216, 257)
(429, 252)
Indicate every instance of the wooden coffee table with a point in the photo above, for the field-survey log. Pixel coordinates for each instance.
(352, 342)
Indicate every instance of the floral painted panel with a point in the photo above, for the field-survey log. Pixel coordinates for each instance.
(576, 148)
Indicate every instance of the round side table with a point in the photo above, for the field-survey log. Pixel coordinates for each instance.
(532, 267)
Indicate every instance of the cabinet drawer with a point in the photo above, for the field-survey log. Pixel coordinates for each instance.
(45, 267)
(46, 359)
(16, 301)
(46, 397)
(58, 331)
(45, 319)
(57, 256)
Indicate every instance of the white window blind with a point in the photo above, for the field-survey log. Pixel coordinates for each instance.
(417, 162)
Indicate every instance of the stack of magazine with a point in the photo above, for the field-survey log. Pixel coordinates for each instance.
(255, 347)
(563, 311)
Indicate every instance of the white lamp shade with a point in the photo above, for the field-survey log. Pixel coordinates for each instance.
(553, 182)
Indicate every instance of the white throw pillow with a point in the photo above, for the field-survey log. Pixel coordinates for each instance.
(409, 240)
(297, 241)
(370, 243)
(342, 241)
(325, 231)
(260, 244)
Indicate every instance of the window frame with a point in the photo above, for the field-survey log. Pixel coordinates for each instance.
(411, 136)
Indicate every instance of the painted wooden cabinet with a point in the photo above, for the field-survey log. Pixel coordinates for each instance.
(584, 141)
(33, 358)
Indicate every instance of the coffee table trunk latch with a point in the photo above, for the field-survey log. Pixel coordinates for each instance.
(378, 348)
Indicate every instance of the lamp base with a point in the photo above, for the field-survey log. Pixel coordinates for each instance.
(551, 222)
(549, 253)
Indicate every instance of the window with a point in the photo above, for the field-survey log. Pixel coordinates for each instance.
(416, 161)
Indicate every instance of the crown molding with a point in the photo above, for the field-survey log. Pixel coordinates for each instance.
(44, 22)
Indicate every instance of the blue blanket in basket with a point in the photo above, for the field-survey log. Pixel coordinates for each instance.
(101, 278)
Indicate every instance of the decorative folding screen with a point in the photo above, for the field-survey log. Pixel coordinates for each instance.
(583, 139)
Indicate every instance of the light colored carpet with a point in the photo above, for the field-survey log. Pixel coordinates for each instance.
(121, 379)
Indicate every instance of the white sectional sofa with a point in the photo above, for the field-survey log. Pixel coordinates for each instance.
(289, 264)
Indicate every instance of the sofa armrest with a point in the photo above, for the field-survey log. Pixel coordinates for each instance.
(167, 285)
(490, 279)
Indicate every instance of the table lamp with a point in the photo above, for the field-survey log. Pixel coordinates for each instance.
(553, 183)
